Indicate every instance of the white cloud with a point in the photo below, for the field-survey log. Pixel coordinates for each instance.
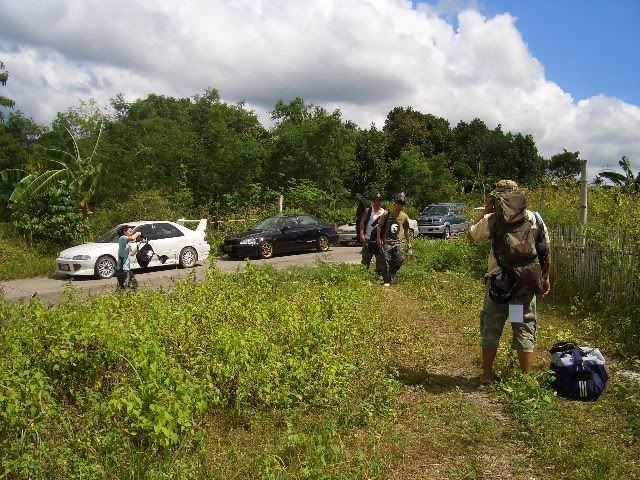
(363, 56)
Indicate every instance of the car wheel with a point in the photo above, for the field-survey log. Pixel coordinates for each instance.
(188, 257)
(105, 267)
(447, 233)
(266, 250)
(323, 244)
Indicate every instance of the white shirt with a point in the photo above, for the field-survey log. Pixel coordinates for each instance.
(372, 218)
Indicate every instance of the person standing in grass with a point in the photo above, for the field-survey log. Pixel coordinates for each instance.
(518, 271)
(126, 249)
(393, 234)
(367, 234)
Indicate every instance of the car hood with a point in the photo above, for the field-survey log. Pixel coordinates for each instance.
(94, 250)
(433, 218)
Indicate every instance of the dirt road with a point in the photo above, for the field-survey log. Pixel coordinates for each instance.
(50, 288)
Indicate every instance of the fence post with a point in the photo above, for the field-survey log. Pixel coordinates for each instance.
(583, 194)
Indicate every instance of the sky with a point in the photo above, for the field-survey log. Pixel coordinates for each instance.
(564, 71)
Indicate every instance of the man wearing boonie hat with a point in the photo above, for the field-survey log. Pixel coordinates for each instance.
(497, 309)
(393, 235)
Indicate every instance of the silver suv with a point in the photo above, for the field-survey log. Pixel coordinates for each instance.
(442, 220)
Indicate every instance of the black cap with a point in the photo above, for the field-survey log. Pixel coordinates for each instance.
(401, 199)
(122, 229)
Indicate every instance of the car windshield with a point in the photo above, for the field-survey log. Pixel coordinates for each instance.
(267, 224)
(436, 210)
(110, 237)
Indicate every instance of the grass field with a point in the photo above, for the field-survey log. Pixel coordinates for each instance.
(309, 373)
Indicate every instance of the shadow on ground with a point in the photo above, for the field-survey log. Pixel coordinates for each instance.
(435, 382)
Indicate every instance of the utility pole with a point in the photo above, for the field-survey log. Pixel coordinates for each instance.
(583, 194)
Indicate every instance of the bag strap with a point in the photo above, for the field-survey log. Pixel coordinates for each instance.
(577, 356)
(540, 224)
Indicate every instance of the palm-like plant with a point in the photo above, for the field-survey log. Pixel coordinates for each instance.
(626, 180)
(62, 168)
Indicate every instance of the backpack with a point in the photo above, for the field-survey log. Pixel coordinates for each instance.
(514, 245)
(580, 372)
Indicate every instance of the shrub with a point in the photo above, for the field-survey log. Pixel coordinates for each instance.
(89, 385)
(51, 218)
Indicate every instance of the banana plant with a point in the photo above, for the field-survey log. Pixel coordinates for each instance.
(628, 181)
(62, 168)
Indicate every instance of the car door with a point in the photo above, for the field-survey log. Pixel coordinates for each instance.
(148, 231)
(169, 241)
(287, 238)
(309, 232)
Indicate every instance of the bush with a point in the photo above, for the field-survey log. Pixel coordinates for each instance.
(88, 386)
(457, 255)
(51, 218)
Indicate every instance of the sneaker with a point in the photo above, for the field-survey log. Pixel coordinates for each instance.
(387, 284)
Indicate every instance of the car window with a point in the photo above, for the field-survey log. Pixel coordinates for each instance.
(166, 230)
(307, 221)
(267, 223)
(110, 237)
(290, 223)
(436, 210)
(148, 231)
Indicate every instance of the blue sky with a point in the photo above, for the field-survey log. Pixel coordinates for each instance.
(586, 46)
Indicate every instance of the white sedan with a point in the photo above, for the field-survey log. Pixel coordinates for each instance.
(173, 243)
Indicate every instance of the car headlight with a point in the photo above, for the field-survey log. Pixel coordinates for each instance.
(249, 241)
(82, 257)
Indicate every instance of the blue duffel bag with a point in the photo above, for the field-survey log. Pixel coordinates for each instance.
(580, 372)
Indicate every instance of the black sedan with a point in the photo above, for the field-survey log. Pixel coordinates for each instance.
(281, 234)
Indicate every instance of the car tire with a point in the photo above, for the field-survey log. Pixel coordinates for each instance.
(188, 257)
(447, 233)
(323, 244)
(266, 250)
(105, 267)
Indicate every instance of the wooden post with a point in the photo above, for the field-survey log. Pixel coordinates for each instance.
(583, 194)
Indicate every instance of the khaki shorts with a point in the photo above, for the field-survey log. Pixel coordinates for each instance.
(494, 316)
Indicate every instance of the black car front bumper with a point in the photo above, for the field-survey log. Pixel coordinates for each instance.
(241, 251)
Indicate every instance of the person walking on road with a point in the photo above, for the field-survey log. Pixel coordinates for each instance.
(393, 234)
(126, 248)
(518, 271)
(367, 233)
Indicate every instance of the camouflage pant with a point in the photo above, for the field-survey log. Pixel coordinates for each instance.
(494, 316)
(371, 249)
(393, 259)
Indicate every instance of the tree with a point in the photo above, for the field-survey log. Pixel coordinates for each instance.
(405, 126)
(309, 143)
(4, 101)
(78, 175)
(628, 182)
(565, 164)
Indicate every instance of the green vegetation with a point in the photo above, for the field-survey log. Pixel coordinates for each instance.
(140, 386)
(298, 374)
(19, 260)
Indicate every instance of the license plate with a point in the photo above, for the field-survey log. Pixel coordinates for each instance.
(65, 267)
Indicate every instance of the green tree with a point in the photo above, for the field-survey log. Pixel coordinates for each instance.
(309, 143)
(4, 101)
(405, 126)
(627, 181)
(565, 164)
(370, 170)
(77, 175)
